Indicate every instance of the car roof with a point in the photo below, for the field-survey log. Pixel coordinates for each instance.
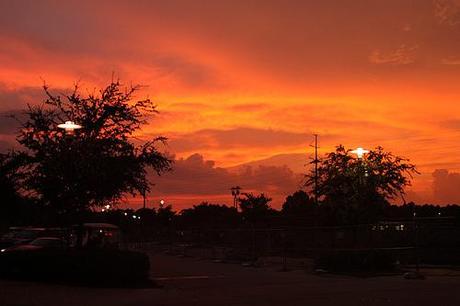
(100, 225)
(26, 228)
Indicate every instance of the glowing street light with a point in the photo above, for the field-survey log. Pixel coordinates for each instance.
(162, 202)
(360, 152)
(69, 126)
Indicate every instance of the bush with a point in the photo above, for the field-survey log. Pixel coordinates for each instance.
(92, 267)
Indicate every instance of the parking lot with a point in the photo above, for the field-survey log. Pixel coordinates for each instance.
(194, 281)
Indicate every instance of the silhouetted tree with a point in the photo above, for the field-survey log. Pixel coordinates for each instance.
(357, 190)
(255, 208)
(10, 177)
(299, 203)
(165, 215)
(99, 163)
(207, 215)
(147, 214)
(12, 201)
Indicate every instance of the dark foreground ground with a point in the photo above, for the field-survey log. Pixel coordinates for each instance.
(190, 281)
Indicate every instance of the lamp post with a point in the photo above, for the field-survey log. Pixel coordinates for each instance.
(362, 174)
(235, 193)
(69, 127)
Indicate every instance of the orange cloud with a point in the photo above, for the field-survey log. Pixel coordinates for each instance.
(240, 82)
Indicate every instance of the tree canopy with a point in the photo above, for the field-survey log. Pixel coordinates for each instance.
(13, 202)
(254, 208)
(298, 203)
(100, 162)
(10, 177)
(356, 189)
(207, 215)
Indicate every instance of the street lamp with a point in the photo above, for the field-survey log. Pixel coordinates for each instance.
(360, 152)
(69, 127)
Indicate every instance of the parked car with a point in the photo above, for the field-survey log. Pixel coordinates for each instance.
(20, 235)
(42, 243)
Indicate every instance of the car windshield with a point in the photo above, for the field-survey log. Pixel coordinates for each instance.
(47, 242)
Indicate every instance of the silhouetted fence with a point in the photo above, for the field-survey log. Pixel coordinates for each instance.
(431, 242)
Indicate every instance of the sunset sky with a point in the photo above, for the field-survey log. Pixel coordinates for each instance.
(241, 86)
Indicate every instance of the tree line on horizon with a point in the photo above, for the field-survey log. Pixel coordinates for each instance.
(63, 177)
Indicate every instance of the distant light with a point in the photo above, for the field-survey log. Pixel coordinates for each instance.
(2, 250)
(126, 213)
(107, 207)
(360, 152)
(69, 126)
(439, 213)
(134, 217)
(162, 202)
(139, 217)
(103, 210)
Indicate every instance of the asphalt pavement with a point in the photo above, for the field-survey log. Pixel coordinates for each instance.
(194, 281)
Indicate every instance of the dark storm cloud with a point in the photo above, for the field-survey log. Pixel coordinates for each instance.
(12, 103)
(61, 26)
(93, 39)
(194, 175)
(10, 122)
(446, 186)
(12, 99)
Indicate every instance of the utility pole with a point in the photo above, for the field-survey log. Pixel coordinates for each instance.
(315, 161)
(143, 196)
